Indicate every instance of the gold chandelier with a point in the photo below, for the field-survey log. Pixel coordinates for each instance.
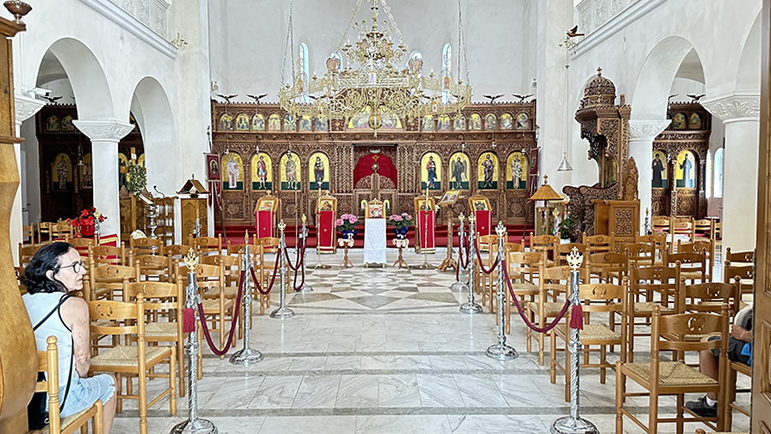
(375, 84)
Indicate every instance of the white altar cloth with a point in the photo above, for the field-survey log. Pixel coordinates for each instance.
(375, 241)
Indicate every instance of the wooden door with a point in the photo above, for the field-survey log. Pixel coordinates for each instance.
(761, 366)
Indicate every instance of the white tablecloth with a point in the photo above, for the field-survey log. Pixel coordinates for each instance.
(375, 241)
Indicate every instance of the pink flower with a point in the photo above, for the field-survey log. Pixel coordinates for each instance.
(398, 218)
(352, 219)
(339, 222)
(406, 216)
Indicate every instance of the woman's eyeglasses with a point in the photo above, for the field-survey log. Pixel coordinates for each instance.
(76, 266)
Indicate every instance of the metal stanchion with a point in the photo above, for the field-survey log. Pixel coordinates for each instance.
(471, 306)
(193, 425)
(304, 236)
(458, 285)
(501, 351)
(574, 424)
(282, 311)
(247, 356)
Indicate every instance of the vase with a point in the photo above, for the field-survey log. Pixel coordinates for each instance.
(87, 230)
(348, 234)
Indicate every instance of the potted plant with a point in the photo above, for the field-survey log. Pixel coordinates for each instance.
(86, 222)
(401, 223)
(346, 224)
(564, 228)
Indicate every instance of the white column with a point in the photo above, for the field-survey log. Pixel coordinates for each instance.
(641, 136)
(26, 107)
(740, 113)
(105, 135)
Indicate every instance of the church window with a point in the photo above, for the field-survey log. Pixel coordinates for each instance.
(718, 173)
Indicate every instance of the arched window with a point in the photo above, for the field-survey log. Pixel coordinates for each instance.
(304, 75)
(446, 68)
(718, 173)
(708, 180)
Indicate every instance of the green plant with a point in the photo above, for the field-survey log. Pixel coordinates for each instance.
(565, 228)
(136, 179)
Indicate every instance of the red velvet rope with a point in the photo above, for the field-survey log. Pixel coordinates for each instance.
(273, 279)
(532, 326)
(482, 267)
(299, 259)
(205, 326)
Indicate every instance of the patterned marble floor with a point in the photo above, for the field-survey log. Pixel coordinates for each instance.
(386, 351)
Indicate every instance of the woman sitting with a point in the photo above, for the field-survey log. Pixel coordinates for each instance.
(53, 273)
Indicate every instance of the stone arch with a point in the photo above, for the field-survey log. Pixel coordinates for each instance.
(152, 110)
(748, 72)
(87, 78)
(656, 76)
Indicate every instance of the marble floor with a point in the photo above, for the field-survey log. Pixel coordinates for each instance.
(386, 351)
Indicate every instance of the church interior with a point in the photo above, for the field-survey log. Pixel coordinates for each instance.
(371, 216)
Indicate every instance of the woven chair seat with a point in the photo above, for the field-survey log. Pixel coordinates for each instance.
(127, 357)
(672, 374)
(647, 307)
(211, 307)
(550, 308)
(161, 329)
(691, 274)
(694, 337)
(594, 332)
(524, 288)
(64, 423)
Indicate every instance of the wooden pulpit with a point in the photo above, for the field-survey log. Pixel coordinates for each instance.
(480, 205)
(265, 216)
(326, 211)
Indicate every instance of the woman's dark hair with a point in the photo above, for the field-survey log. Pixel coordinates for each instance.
(46, 259)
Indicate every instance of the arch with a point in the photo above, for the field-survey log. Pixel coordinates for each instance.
(152, 110)
(87, 78)
(748, 72)
(656, 76)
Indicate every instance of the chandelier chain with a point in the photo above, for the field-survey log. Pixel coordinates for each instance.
(356, 9)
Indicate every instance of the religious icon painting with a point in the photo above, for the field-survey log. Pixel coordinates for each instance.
(321, 124)
(490, 121)
(523, 121)
(233, 178)
(305, 123)
(52, 124)
(475, 122)
(289, 168)
(516, 171)
(360, 120)
(258, 122)
(67, 124)
(213, 167)
(274, 122)
(242, 122)
(61, 172)
(443, 123)
(326, 205)
(507, 121)
(450, 197)
(431, 171)
(480, 205)
(290, 123)
(87, 173)
(266, 205)
(459, 171)
(262, 172)
(318, 169)
(122, 170)
(376, 211)
(487, 171)
(226, 122)
(680, 121)
(694, 122)
(390, 120)
(659, 167)
(459, 123)
(685, 170)
(428, 123)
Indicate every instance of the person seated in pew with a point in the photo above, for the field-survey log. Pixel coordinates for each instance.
(56, 270)
(739, 350)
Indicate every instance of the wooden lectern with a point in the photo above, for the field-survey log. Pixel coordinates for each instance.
(326, 211)
(480, 205)
(194, 209)
(265, 216)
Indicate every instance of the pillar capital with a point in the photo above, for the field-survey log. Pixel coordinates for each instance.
(646, 129)
(735, 107)
(26, 107)
(107, 130)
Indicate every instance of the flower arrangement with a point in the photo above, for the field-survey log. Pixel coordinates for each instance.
(136, 181)
(87, 220)
(400, 220)
(346, 223)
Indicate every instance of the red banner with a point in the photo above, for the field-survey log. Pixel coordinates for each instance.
(484, 222)
(426, 236)
(263, 222)
(326, 231)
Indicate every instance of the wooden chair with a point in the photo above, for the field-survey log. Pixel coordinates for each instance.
(127, 319)
(231, 266)
(597, 297)
(175, 251)
(153, 268)
(731, 390)
(554, 280)
(62, 230)
(26, 252)
(48, 363)
(146, 246)
(661, 223)
(682, 228)
(707, 247)
(267, 245)
(608, 267)
(44, 228)
(207, 245)
(661, 377)
(740, 264)
(82, 245)
(704, 228)
(565, 249)
(693, 265)
(258, 258)
(169, 299)
(646, 283)
(28, 234)
(639, 254)
(107, 281)
(523, 268)
(718, 230)
(598, 243)
(113, 255)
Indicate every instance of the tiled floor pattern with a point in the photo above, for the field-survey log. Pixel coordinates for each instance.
(386, 351)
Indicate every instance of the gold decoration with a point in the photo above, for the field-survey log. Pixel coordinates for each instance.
(575, 259)
(191, 259)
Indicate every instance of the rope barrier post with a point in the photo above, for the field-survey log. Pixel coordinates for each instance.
(471, 307)
(282, 311)
(458, 285)
(574, 424)
(246, 356)
(304, 236)
(193, 425)
(501, 351)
